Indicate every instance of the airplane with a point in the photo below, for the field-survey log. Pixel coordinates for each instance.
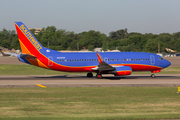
(8, 53)
(116, 63)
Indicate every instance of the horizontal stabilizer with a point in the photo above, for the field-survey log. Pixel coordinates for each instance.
(27, 56)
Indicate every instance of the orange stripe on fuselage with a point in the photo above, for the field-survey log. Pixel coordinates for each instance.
(36, 62)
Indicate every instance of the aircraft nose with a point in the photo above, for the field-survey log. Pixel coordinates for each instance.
(166, 63)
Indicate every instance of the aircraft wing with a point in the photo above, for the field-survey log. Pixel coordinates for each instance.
(104, 67)
(8, 53)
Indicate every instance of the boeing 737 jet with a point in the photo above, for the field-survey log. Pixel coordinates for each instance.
(116, 63)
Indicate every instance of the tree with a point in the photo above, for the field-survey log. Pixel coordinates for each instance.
(91, 47)
(177, 45)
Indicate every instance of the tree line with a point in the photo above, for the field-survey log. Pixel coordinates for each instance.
(59, 39)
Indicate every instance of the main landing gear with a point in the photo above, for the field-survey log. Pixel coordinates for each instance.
(89, 75)
(98, 76)
(153, 76)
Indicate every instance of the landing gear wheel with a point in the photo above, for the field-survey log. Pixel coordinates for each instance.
(98, 76)
(153, 76)
(89, 75)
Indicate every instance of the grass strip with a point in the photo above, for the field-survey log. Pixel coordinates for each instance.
(90, 103)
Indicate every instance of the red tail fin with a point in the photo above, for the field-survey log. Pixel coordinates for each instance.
(29, 44)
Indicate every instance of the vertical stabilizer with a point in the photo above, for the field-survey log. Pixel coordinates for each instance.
(29, 44)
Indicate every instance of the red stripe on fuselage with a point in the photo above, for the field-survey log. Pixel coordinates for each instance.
(140, 67)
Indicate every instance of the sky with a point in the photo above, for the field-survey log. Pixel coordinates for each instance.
(143, 16)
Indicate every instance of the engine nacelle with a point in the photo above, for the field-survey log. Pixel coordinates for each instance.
(123, 70)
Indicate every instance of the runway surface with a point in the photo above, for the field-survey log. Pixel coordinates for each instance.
(83, 81)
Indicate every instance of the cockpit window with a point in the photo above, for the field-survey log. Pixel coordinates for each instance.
(160, 58)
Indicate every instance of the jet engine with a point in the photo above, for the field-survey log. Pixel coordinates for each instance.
(122, 70)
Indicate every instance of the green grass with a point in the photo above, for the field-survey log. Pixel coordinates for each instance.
(27, 70)
(90, 103)
(33, 70)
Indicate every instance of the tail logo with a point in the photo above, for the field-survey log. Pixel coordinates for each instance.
(30, 37)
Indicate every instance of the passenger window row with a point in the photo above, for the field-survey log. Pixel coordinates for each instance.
(137, 59)
(77, 60)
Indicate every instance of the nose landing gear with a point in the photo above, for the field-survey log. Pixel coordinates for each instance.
(153, 76)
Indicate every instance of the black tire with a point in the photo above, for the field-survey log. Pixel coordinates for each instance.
(89, 75)
(153, 76)
(98, 76)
